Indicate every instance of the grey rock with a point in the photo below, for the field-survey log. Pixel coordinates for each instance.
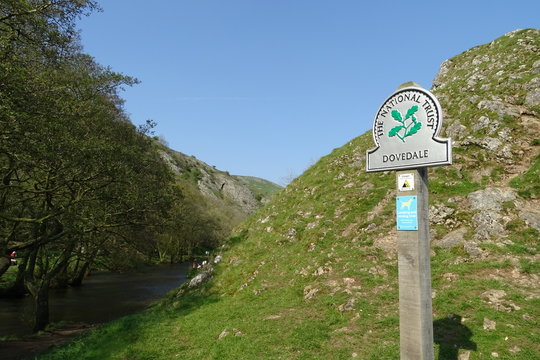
(473, 99)
(472, 249)
(504, 134)
(487, 224)
(450, 277)
(202, 277)
(489, 324)
(533, 84)
(495, 299)
(488, 143)
(452, 239)
(291, 234)
(230, 188)
(536, 66)
(498, 107)
(512, 33)
(223, 334)
(486, 123)
(370, 228)
(533, 98)
(490, 198)
(506, 152)
(491, 144)
(309, 292)
(532, 219)
(348, 306)
(321, 270)
(493, 296)
(438, 213)
(456, 131)
(475, 79)
(443, 71)
(480, 59)
(170, 162)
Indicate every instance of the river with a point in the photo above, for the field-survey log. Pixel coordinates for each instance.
(102, 297)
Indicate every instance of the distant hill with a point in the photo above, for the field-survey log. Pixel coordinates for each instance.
(262, 189)
(235, 196)
(313, 274)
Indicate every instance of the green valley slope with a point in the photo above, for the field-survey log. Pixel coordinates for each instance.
(216, 199)
(313, 274)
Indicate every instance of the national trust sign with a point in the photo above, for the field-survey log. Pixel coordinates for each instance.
(406, 132)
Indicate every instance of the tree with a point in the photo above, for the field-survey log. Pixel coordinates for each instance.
(32, 34)
(192, 226)
(77, 176)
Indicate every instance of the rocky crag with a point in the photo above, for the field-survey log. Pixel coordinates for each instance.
(491, 95)
(244, 194)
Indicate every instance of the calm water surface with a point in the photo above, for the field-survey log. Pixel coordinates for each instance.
(103, 297)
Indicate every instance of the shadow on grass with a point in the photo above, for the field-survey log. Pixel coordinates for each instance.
(452, 335)
(192, 301)
(232, 241)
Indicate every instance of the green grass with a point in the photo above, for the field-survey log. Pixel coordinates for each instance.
(527, 184)
(530, 266)
(261, 189)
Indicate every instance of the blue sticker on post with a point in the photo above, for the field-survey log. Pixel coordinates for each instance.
(406, 213)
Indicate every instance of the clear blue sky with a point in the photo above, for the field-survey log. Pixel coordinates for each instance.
(266, 87)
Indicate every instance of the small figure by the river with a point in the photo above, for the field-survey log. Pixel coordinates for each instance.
(13, 258)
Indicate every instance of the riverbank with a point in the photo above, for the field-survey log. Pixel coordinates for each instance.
(102, 298)
(36, 344)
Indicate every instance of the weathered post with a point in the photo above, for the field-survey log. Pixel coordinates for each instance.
(406, 131)
(414, 270)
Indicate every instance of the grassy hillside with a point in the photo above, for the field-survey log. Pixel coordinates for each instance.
(243, 194)
(262, 189)
(313, 275)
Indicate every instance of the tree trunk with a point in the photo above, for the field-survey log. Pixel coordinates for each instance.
(18, 289)
(62, 279)
(41, 306)
(38, 286)
(80, 275)
(5, 262)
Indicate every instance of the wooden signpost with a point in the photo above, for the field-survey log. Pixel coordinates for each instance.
(406, 130)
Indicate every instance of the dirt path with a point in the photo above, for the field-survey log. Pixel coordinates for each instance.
(33, 345)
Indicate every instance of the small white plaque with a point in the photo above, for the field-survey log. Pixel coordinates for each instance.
(406, 182)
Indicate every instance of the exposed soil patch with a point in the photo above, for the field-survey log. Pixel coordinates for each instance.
(36, 344)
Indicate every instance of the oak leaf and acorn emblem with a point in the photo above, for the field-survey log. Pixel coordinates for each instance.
(407, 128)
